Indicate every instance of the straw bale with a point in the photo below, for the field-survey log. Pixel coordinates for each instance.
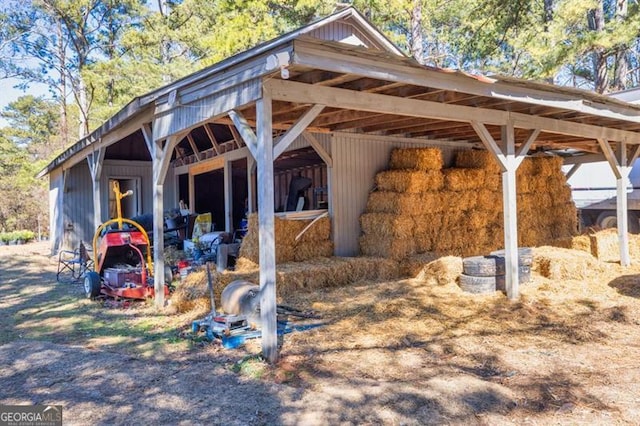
(410, 181)
(461, 179)
(581, 242)
(488, 200)
(433, 202)
(548, 165)
(394, 248)
(526, 168)
(441, 271)
(421, 159)
(493, 181)
(605, 246)
(243, 264)
(476, 159)
(426, 225)
(393, 202)
(477, 220)
(313, 249)
(424, 243)
(286, 243)
(413, 265)
(563, 264)
(193, 293)
(387, 225)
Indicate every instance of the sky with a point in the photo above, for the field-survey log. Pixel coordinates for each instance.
(9, 94)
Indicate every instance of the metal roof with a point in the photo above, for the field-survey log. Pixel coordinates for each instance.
(332, 67)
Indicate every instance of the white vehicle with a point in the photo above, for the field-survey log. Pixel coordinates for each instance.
(593, 187)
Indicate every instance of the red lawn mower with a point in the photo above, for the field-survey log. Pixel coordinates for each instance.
(123, 266)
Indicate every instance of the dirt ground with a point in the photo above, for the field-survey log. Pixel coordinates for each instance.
(401, 352)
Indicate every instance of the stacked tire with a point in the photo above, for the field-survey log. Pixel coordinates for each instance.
(486, 274)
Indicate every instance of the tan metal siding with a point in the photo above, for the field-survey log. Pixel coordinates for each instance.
(356, 161)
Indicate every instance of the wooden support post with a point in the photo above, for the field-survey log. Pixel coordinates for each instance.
(251, 184)
(228, 197)
(295, 130)
(95, 160)
(212, 138)
(621, 205)
(509, 162)
(620, 167)
(509, 197)
(266, 234)
(161, 159)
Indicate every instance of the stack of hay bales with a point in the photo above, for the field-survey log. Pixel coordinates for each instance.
(420, 207)
(315, 242)
(399, 217)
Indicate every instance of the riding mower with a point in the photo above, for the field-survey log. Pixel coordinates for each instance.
(122, 263)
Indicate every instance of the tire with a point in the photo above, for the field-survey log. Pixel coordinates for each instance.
(480, 285)
(609, 219)
(483, 266)
(524, 276)
(525, 255)
(92, 284)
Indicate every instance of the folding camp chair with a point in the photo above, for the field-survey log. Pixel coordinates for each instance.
(77, 262)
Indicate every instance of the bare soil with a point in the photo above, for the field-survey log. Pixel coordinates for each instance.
(401, 352)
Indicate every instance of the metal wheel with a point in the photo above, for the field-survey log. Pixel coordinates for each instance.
(92, 284)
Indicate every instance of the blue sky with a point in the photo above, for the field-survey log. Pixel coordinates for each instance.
(9, 94)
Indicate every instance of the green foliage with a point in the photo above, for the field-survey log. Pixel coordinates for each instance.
(21, 235)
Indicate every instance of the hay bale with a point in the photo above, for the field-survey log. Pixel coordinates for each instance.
(476, 159)
(441, 271)
(394, 248)
(421, 159)
(459, 179)
(410, 181)
(581, 242)
(387, 225)
(394, 202)
(488, 200)
(563, 264)
(605, 245)
(287, 247)
(313, 249)
(547, 165)
(192, 295)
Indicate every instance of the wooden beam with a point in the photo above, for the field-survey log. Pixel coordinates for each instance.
(634, 155)
(212, 138)
(490, 144)
(247, 134)
(235, 135)
(584, 159)
(340, 98)
(315, 55)
(147, 134)
(610, 156)
(326, 157)
(572, 170)
(192, 143)
(524, 148)
(266, 230)
(295, 130)
(228, 196)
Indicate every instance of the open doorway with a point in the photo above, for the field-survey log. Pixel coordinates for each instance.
(209, 196)
(131, 205)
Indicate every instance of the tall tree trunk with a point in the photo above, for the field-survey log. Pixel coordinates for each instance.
(547, 18)
(620, 78)
(599, 57)
(62, 89)
(417, 47)
(83, 105)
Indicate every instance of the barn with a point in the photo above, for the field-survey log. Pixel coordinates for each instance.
(328, 102)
